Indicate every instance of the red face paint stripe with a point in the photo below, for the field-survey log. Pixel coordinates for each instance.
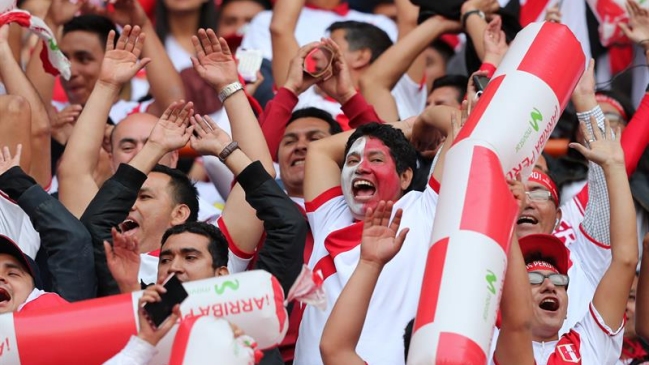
(431, 284)
(454, 348)
(480, 107)
(488, 205)
(551, 47)
(82, 325)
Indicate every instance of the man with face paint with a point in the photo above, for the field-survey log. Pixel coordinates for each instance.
(377, 165)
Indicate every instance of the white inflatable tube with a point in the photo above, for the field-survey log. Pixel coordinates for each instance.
(503, 137)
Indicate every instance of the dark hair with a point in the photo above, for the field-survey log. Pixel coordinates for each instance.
(266, 4)
(459, 82)
(311, 112)
(624, 101)
(96, 24)
(217, 245)
(407, 336)
(443, 48)
(361, 35)
(206, 20)
(403, 153)
(183, 190)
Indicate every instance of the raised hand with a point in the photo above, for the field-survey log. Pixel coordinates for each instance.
(553, 14)
(380, 241)
(518, 191)
(297, 80)
(339, 86)
(472, 95)
(495, 42)
(6, 161)
(148, 333)
(172, 132)
(126, 12)
(214, 62)
(638, 28)
(586, 84)
(123, 259)
(120, 62)
(602, 148)
(209, 138)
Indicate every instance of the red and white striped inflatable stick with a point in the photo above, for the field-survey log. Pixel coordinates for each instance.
(90, 332)
(503, 137)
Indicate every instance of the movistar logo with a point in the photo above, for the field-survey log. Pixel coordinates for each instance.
(535, 118)
(220, 289)
(491, 279)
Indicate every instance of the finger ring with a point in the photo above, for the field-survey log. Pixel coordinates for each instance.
(591, 140)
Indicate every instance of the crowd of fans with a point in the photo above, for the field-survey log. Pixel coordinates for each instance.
(156, 158)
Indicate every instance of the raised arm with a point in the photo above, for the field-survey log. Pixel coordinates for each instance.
(284, 224)
(215, 64)
(514, 344)
(77, 186)
(282, 36)
(474, 25)
(642, 294)
(65, 240)
(165, 84)
(384, 73)
(381, 241)
(613, 290)
(17, 83)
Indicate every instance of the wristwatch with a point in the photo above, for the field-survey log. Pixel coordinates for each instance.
(466, 15)
(227, 151)
(229, 90)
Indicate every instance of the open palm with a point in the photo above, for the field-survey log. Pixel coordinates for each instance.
(123, 257)
(380, 242)
(602, 148)
(638, 28)
(209, 138)
(120, 62)
(171, 131)
(213, 61)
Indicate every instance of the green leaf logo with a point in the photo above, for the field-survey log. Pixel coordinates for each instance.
(536, 117)
(491, 279)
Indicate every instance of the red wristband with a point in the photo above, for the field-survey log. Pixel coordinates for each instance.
(491, 69)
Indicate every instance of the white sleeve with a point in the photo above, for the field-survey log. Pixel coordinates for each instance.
(598, 340)
(136, 352)
(257, 34)
(237, 264)
(410, 97)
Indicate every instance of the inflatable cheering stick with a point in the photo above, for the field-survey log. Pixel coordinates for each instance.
(503, 137)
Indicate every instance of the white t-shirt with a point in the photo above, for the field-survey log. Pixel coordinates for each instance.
(311, 26)
(591, 341)
(336, 253)
(589, 259)
(15, 224)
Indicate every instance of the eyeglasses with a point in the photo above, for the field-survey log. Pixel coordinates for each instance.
(536, 278)
(539, 195)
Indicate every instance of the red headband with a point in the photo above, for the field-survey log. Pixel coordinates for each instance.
(540, 266)
(614, 103)
(540, 177)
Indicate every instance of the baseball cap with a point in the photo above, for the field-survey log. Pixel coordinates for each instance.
(547, 246)
(8, 246)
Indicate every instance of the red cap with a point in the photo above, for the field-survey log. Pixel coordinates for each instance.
(548, 246)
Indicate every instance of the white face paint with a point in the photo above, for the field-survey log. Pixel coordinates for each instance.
(347, 176)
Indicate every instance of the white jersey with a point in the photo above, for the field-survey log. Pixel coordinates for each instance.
(590, 342)
(409, 96)
(336, 253)
(589, 259)
(15, 224)
(312, 25)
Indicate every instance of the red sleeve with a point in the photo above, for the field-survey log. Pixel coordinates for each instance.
(636, 136)
(274, 118)
(359, 111)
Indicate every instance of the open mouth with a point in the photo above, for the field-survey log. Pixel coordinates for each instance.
(298, 162)
(128, 225)
(4, 296)
(549, 304)
(526, 219)
(363, 188)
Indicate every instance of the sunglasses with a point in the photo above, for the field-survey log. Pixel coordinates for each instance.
(536, 278)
